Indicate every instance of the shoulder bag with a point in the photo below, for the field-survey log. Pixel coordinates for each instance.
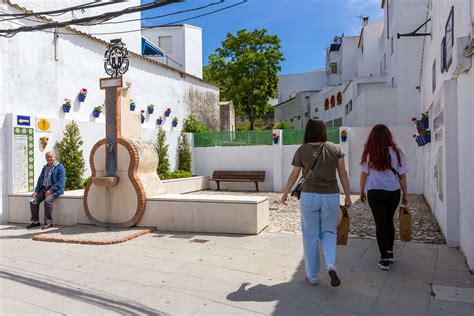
(297, 190)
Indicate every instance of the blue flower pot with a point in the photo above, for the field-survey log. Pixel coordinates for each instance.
(420, 140)
(143, 119)
(427, 138)
(132, 107)
(167, 113)
(343, 138)
(275, 140)
(424, 124)
(174, 124)
(96, 113)
(150, 110)
(159, 121)
(66, 108)
(81, 97)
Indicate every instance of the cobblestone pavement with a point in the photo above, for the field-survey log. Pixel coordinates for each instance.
(286, 218)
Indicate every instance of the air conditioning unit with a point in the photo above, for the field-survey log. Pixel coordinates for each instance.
(463, 62)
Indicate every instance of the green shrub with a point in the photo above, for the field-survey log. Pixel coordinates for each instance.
(71, 156)
(191, 125)
(242, 126)
(184, 153)
(179, 174)
(283, 125)
(162, 149)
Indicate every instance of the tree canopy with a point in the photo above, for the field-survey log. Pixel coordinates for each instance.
(246, 68)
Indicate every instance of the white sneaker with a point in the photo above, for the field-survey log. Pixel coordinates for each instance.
(312, 281)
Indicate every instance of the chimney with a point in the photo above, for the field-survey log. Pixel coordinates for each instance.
(366, 20)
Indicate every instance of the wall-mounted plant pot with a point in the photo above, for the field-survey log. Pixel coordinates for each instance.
(143, 119)
(159, 121)
(132, 107)
(96, 113)
(167, 113)
(275, 140)
(150, 110)
(424, 124)
(174, 124)
(66, 108)
(81, 97)
(420, 140)
(343, 138)
(427, 138)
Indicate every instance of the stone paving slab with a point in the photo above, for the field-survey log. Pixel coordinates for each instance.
(161, 274)
(90, 234)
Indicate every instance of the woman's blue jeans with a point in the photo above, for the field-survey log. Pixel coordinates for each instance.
(319, 214)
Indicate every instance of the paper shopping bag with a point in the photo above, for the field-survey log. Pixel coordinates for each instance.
(405, 224)
(343, 224)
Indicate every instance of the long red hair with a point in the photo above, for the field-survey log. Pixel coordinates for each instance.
(377, 148)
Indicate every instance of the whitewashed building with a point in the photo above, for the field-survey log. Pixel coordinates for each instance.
(41, 69)
(447, 94)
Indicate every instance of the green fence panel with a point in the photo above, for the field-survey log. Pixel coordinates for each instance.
(295, 136)
(242, 138)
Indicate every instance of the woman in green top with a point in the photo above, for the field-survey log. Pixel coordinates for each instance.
(319, 202)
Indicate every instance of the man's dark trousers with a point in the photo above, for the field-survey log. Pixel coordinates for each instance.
(48, 206)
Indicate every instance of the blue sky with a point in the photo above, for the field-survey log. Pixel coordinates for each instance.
(305, 27)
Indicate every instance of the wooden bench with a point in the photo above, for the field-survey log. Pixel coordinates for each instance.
(238, 176)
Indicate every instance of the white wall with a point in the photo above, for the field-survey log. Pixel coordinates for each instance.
(35, 81)
(133, 42)
(193, 50)
(293, 83)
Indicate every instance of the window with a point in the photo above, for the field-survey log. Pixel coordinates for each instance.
(333, 67)
(326, 104)
(393, 82)
(442, 62)
(333, 101)
(299, 117)
(291, 120)
(433, 75)
(339, 98)
(449, 35)
(384, 63)
(391, 46)
(388, 19)
(166, 43)
(316, 110)
(305, 114)
(349, 107)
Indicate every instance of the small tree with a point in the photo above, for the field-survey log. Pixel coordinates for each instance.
(184, 154)
(71, 156)
(163, 168)
(191, 125)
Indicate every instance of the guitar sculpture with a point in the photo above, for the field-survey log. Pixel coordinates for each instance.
(123, 166)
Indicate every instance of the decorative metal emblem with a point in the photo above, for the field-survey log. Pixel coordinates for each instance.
(116, 59)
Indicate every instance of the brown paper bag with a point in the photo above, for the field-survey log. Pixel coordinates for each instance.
(405, 224)
(343, 224)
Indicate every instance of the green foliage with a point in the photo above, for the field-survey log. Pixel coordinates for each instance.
(86, 182)
(246, 68)
(184, 154)
(179, 174)
(191, 125)
(162, 150)
(71, 156)
(283, 125)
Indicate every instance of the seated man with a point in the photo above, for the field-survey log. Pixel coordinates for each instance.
(51, 183)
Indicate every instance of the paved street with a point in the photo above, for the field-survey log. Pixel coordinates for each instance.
(202, 274)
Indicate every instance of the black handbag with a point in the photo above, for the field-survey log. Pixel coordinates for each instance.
(297, 190)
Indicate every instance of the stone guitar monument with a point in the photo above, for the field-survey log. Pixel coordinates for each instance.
(123, 166)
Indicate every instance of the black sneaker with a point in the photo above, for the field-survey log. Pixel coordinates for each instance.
(335, 281)
(384, 264)
(390, 257)
(32, 225)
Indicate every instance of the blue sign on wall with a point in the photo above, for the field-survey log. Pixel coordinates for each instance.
(22, 120)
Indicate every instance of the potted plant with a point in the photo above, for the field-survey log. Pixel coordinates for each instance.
(67, 105)
(82, 95)
(424, 121)
(420, 140)
(142, 116)
(426, 135)
(174, 123)
(97, 111)
(132, 105)
(44, 141)
(343, 135)
(168, 112)
(275, 138)
(150, 108)
(159, 120)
